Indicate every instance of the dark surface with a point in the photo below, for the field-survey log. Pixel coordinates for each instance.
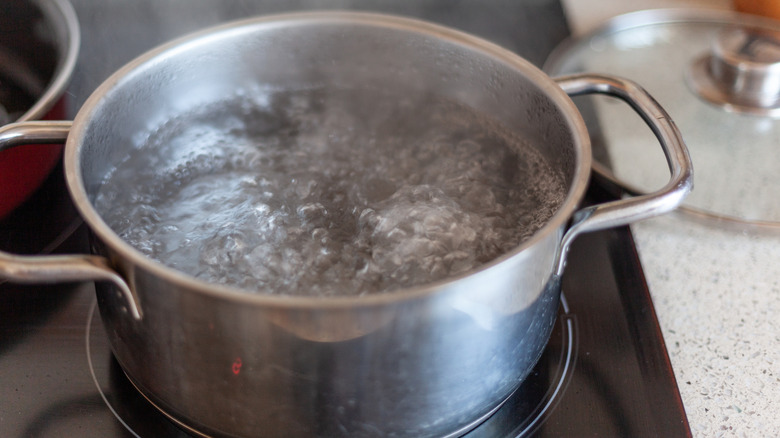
(115, 31)
(41, 223)
(27, 60)
(623, 383)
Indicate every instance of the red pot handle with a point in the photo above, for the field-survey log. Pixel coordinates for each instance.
(61, 268)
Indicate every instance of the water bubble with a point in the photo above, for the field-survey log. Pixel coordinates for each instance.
(329, 192)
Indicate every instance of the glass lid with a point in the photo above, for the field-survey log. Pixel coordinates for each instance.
(717, 73)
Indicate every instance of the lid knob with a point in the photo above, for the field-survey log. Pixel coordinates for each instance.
(741, 73)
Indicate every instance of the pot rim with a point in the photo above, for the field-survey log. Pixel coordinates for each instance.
(555, 224)
(59, 13)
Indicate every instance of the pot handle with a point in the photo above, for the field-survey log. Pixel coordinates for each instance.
(59, 268)
(627, 210)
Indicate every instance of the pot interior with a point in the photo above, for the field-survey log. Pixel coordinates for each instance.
(399, 59)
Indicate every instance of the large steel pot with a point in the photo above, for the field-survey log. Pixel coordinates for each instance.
(39, 44)
(428, 361)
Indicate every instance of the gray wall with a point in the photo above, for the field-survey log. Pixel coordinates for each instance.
(116, 31)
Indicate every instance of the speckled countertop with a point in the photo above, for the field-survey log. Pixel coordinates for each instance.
(717, 296)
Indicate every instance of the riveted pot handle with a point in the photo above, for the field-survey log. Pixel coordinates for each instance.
(632, 209)
(59, 268)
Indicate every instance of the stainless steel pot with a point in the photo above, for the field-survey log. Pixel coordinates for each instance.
(428, 361)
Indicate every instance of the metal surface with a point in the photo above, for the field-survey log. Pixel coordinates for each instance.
(736, 176)
(18, 134)
(62, 268)
(625, 211)
(742, 72)
(291, 365)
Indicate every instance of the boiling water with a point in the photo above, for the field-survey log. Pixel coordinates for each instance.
(329, 192)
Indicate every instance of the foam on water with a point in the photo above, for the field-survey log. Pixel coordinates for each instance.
(336, 192)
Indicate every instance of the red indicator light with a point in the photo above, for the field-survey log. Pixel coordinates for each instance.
(236, 366)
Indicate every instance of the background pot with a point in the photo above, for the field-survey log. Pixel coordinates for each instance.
(38, 49)
(440, 357)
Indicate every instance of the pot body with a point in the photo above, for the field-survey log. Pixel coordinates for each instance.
(425, 362)
(38, 49)
(431, 365)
